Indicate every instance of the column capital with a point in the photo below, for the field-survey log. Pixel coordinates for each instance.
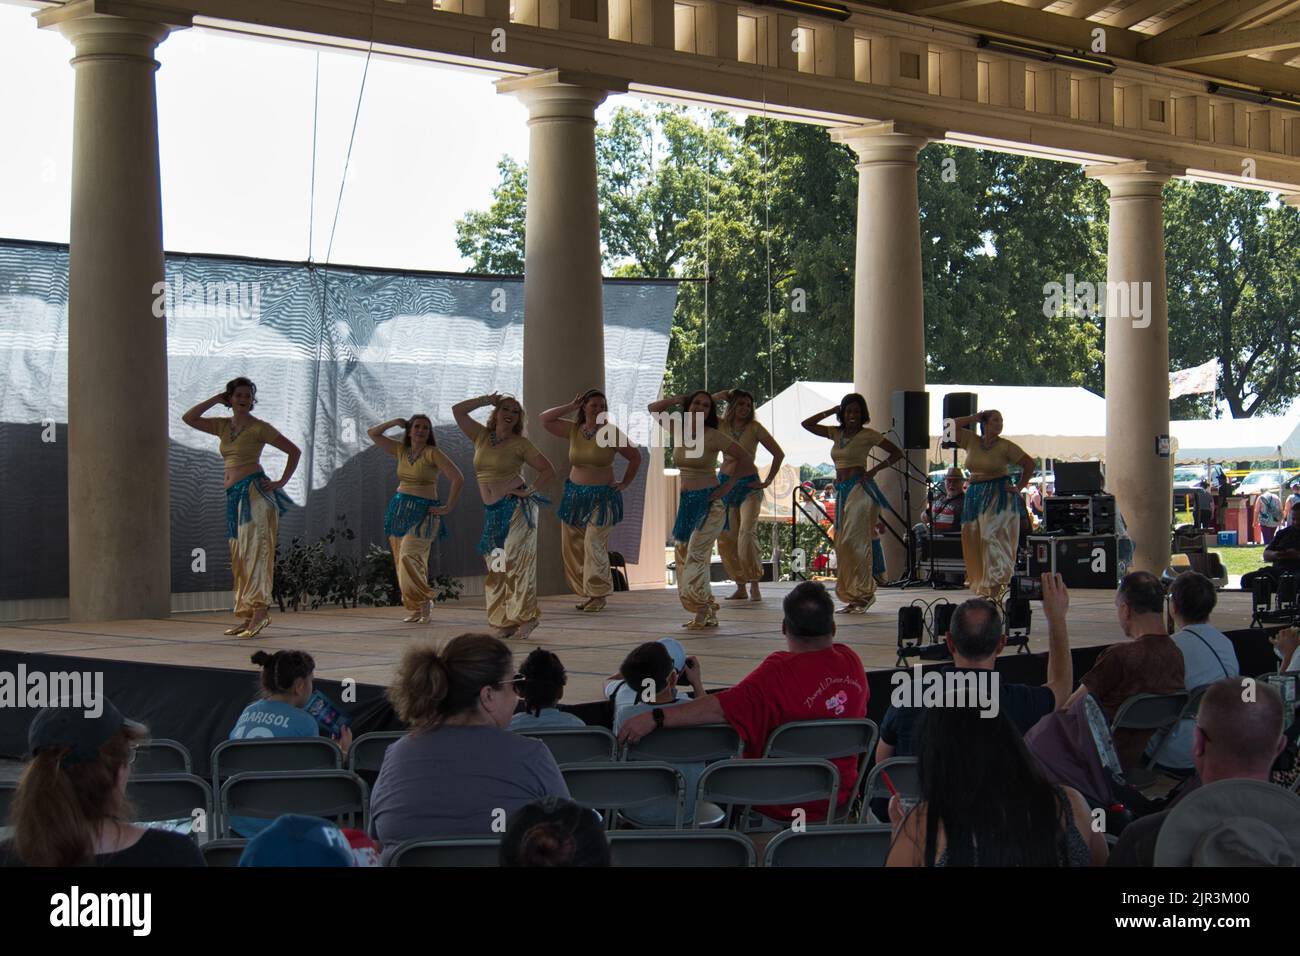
(1143, 177)
(886, 141)
(553, 94)
(113, 27)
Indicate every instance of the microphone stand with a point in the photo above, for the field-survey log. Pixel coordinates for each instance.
(910, 578)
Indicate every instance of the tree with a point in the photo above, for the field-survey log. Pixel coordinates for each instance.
(493, 241)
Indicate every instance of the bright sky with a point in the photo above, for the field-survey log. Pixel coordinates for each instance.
(235, 140)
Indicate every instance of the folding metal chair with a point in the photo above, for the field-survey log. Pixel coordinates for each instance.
(681, 848)
(161, 755)
(337, 795)
(770, 782)
(449, 851)
(223, 852)
(367, 751)
(172, 797)
(831, 740)
(902, 773)
(610, 787)
(577, 744)
(859, 845)
(681, 746)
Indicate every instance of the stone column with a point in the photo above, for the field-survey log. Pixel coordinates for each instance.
(118, 490)
(1137, 356)
(564, 339)
(888, 308)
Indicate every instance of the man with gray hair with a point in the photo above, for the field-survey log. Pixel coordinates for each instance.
(975, 638)
(1238, 736)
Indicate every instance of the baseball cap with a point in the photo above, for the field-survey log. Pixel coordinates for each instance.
(1232, 823)
(298, 840)
(67, 726)
(675, 651)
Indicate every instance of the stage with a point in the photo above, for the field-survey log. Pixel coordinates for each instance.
(364, 644)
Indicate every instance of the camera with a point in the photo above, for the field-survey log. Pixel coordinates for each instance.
(1027, 587)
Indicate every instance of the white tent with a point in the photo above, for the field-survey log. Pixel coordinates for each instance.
(1237, 439)
(1064, 423)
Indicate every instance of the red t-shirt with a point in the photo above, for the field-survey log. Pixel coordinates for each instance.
(814, 685)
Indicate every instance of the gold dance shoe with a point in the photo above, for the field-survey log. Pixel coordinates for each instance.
(239, 628)
(250, 632)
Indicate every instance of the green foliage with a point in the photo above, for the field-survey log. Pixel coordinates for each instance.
(316, 574)
(494, 240)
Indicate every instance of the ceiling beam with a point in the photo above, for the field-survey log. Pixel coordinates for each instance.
(1049, 29)
(931, 8)
(1135, 13)
(1212, 14)
(1083, 9)
(1166, 51)
(1249, 71)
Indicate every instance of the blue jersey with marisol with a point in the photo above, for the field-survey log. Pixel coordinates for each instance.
(263, 719)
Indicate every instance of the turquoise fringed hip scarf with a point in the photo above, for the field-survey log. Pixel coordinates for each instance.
(496, 520)
(239, 506)
(582, 503)
(407, 513)
(992, 496)
(845, 488)
(692, 511)
(741, 490)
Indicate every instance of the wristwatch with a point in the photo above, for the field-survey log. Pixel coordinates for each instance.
(658, 715)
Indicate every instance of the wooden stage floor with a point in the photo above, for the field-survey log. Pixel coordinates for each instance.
(365, 643)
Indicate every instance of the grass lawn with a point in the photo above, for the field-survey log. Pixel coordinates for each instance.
(1241, 560)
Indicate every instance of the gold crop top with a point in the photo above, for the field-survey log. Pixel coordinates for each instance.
(246, 449)
(749, 439)
(425, 469)
(986, 464)
(500, 462)
(700, 460)
(854, 453)
(589, 452)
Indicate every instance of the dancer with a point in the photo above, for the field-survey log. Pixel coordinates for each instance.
(254, 502)
(738, 542)
(992, 511)
(509, 541)
(701, 513)
(415, 513)
(858, 499)
(593, 500)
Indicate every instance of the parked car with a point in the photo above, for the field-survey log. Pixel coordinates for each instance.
(1188, 477)
(1258, 481)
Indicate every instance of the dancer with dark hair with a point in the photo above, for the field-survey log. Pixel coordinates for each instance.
(415, 512)
(858, 499)
(540, 684)
(985, 801)
(71, 808)
(993, 508)
(555, 832)
(593, 500)
(254, 502)
(458, 770)
(509, 541)
(701, 512)
(738, 542)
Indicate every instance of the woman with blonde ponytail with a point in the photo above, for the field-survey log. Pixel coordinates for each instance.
(71, 807)
(459, 771)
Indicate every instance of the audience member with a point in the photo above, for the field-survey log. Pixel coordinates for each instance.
(621, 692)
(1148, 662)
(1208, 655)
(555, 832)
(975, 639)
(947, 510)
(651, 670)
(814, 678)
(1202, 504)
(297, 840)
(458, 771)
(1292, 500)
(71, 809)
(985, 802)
(1238, 735)
(286, 685)
(1268, 514)
(540, 682)
(1282, 553)
(1287, 642)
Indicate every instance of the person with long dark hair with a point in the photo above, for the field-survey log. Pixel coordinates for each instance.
(858, 499)
(738, 541)
(593, 500)
(993, 508)
(985, 802)
(540, 685)
(71, 807)
(414, 515)
(701, 511)
(254, 502)
(509, 540)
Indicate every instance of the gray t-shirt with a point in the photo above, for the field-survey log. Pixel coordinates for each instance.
(453, 780)
(1208, 656)
(549, 718)
(662, 813)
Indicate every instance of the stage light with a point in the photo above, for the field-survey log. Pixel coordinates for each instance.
(1243, 93)
(911, 625)
(1287, 587)
(1285, 100)
(1261, 591)
(812, 8)
(943, 612)
(1019, 617)
(1043, 54)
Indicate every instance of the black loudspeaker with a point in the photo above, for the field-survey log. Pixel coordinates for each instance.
(912, 419)
(959, 405)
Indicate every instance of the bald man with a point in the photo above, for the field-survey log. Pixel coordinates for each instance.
(1238, 735)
